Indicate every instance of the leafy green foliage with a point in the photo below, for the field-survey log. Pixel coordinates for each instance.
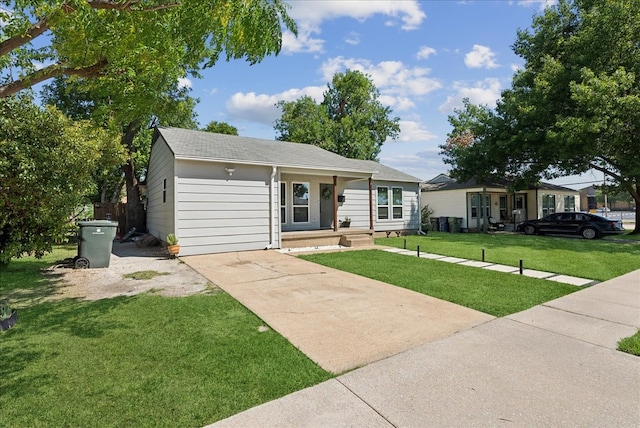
(221, 128)
(46, 162)
(574, 106)
(350, 121)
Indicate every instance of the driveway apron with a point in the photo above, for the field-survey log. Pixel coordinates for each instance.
(339, 320)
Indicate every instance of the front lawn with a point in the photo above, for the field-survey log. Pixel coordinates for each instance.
(597, 259)
(494, 293)
(137, 361)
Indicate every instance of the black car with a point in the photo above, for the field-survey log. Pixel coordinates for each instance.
(590, 226)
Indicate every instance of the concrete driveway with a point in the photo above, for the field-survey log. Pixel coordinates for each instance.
(339, 320)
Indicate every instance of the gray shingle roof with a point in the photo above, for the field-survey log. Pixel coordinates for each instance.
(386, 173)
(189, 144)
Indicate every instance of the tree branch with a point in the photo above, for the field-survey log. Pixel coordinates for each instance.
(49, 72)
(22, 39)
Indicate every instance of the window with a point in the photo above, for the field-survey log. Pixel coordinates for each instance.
(164, 190)
(397, 202)
(283, 202)
(475, 209)
(548, 204)
(569, 203)
(383, 203)
(300, 202)
(390, 208)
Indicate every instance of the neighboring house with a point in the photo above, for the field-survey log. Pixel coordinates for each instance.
(221, 193)
(448, 198)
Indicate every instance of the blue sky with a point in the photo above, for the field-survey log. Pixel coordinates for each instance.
(423, 56)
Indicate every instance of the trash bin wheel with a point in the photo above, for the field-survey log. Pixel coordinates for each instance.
(81, 263)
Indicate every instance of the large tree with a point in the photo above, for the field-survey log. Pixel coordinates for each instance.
(46, 161)
(132, 52)
(575, 105)
(350, 121)
(132, 40)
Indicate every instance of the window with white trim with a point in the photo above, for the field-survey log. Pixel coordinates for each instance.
(475, 209)
(283, 202)
(569, 203)
(390, 207)
(397, 202)
(548, 205)
(164, 190)
(300, 202)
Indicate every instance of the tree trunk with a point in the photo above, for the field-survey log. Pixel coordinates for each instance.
(135, 214)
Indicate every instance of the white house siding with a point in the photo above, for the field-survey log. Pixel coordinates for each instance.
(449, 203)
(218, 212)
(161, 214)
(356, 205)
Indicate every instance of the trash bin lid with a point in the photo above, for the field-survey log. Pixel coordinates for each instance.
(98, 223)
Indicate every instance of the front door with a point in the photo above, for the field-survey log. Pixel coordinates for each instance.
(520, 208)
(326, 206)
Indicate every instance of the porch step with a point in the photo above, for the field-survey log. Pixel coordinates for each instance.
(363, 240)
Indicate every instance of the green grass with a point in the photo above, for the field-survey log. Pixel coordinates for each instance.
(630, 345)
(494, 293)
(598, 259)
(138, 361)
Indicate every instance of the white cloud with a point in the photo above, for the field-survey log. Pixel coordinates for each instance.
(425, 52)
(397, 83)
(353, 38)
(414, 131)
(480, 57)
(485, 92)
(184, 82)
(543, 3)
(309, 15)
(262, 108)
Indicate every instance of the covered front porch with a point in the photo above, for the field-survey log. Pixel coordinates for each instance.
(348, 237)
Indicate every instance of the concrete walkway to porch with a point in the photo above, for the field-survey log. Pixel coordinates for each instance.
(339, 320)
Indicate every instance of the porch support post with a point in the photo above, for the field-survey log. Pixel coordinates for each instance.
(335, 203)
(370, 203)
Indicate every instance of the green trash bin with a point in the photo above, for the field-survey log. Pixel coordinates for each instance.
(454, 224)
(95, 241)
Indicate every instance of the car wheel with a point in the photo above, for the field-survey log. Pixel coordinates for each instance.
(589, 233)
(529, 230)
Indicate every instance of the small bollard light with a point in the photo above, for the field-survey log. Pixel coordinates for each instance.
(405, 243)
(483, 254)
(418, 250)
(521, 270)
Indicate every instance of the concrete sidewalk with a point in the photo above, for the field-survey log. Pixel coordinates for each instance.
(552, 365)
(340, 320)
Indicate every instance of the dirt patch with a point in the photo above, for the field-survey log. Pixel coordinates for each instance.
(175, 278)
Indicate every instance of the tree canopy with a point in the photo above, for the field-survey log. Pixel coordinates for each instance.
(220, 128)
(46, 162)
(575, 105)
(350, 121)
(138, 44)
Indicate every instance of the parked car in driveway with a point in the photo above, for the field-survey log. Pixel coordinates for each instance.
(590, 226)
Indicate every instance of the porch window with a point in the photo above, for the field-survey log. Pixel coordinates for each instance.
(386, 205)
(283, 202)
(569, 203)
(548, 205)
(383, 203)
(397, 202)
(475, 208)
(300, 202)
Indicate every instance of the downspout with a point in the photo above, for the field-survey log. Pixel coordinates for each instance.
(272, 216)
